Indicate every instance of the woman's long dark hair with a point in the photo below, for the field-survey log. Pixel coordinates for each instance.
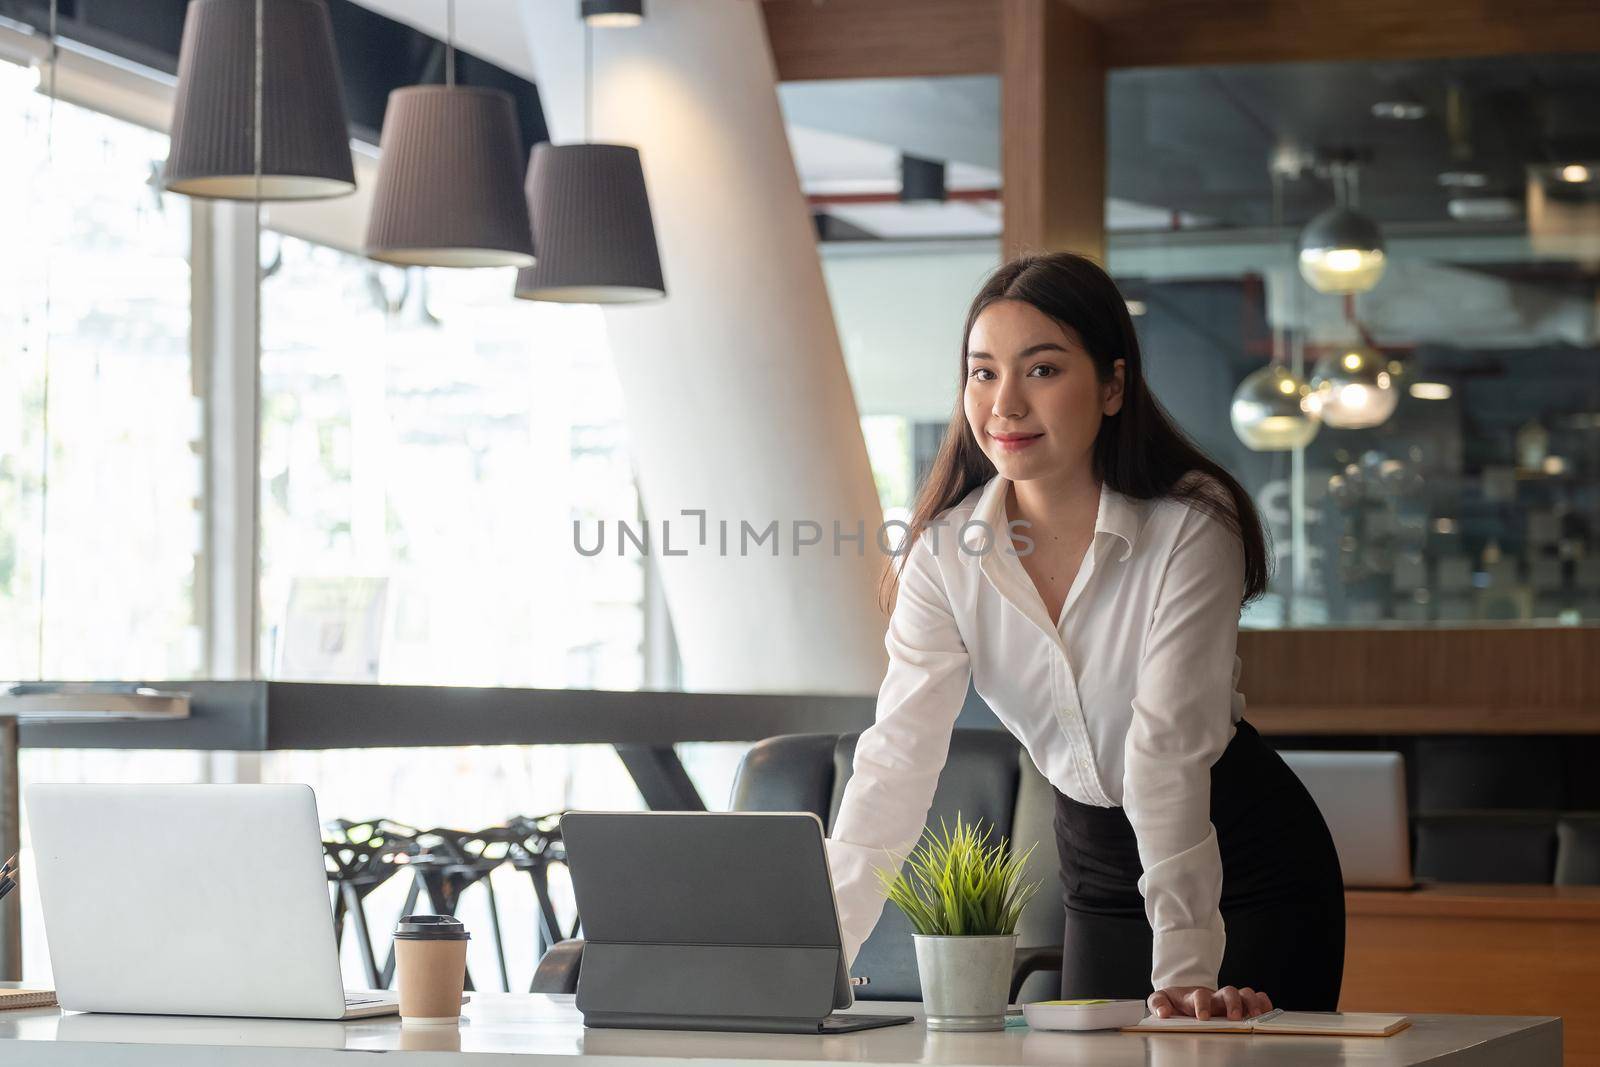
(1138, 452)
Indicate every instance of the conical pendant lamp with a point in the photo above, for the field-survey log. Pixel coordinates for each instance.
(304, 142)
(591, 221)
(449, 188)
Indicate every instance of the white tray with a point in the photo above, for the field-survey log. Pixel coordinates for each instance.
(1083, 1014)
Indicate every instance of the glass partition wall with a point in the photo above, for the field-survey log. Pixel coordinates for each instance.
(1457, 486)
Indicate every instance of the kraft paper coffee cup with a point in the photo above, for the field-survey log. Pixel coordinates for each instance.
(430, 955)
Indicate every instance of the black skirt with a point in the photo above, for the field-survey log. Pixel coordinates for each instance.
(1282, 893)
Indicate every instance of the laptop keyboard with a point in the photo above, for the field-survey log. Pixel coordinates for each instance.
(355, 1000)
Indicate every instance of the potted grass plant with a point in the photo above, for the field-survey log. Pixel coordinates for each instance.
(963, 897)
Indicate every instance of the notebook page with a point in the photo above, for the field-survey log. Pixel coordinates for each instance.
(1185, 1024)
(1333, 1023)
(26, 998)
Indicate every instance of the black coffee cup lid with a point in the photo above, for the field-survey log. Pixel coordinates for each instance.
(430, 928)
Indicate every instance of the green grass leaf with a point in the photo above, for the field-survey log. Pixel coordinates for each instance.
(955, 882)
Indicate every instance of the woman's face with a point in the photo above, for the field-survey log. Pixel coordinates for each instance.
(1032, 396)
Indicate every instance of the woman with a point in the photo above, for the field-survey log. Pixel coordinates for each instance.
(1084, 564)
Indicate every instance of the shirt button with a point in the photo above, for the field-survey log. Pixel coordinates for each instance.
(1067, 713)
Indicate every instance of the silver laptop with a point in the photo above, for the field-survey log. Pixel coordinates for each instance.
(1362, 796)
(189, 900)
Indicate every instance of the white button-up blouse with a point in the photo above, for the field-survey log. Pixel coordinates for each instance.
(1127, 699)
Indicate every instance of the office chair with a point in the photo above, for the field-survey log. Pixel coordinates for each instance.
(536, 847)
(447, 864)
(361, 856)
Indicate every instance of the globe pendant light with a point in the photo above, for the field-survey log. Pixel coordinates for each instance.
(289, 84)
(591, 220)
(449, 188)
(1341, 250)
(1351, 388)
(1272, 410)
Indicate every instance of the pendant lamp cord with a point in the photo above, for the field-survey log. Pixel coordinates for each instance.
(450, 43)
(255, 139)
(252, 660)
(588, 80)
(44, 430)
(1277, 225)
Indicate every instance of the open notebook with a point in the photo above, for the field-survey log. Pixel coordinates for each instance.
(1278, 1021)
(27, 998)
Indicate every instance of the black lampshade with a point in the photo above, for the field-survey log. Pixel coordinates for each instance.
(612, 12)
(449, 188)
(592, 224)
(305, 138)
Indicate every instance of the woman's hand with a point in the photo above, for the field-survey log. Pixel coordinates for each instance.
(1202, 1003)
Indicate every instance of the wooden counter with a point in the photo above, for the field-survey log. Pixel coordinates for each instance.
(1479, 949)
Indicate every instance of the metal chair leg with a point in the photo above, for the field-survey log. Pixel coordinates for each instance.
(338, 915)
(499, 942)
(387, 974)
(358, 917)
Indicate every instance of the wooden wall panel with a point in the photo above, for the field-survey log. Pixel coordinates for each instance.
(883, 38)
(1479, 680)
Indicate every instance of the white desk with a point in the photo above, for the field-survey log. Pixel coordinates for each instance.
(549, 1029)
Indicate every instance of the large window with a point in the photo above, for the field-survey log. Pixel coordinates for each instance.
(426, 444)
(100, 476)
(100, 427)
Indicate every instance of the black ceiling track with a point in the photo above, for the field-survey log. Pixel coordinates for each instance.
(376, 54)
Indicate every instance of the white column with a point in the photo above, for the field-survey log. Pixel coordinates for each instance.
(224, 349)
(734, 387)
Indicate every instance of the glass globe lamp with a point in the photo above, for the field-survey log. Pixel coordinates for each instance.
(1272, 410)
(1352, 389)
(1341, 251)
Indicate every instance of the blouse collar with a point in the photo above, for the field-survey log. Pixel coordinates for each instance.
(1118, 515)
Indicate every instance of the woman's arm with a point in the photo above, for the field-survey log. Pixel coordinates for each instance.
(899, 757)
(1182, 722)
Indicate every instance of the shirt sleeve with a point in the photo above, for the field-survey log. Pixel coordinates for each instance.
(898, 758)
(1182, 722)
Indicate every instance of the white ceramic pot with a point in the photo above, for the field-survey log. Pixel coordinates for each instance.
(966, 980)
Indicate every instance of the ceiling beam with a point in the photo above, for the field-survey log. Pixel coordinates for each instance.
(1052, 130)
(814, 39)
(1147, 33)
